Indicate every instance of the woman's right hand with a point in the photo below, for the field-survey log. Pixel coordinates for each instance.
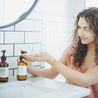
(27, 57)
(26, 60)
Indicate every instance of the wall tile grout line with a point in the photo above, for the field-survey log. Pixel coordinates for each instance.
(13, 50)
(20, 43)
(3, 37)
(24, 37)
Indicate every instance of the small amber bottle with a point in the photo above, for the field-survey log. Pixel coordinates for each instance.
(22, 69)
(4, 68)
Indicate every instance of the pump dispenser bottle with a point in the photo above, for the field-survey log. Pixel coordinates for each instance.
(4, 68)
(22, 68)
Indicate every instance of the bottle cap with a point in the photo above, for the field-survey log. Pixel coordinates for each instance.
(3, 58)
(22, 52)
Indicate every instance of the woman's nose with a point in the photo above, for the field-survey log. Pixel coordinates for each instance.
(81, 32)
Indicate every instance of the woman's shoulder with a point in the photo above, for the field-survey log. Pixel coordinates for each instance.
(67, 51)
(68, 48)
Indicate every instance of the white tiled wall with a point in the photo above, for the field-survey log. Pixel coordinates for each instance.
(37, 48)
(12, 61)
(26, 47)
(14, 37)
(58, 34)
(25, 25)
(1, 37)
(8, 48)
(33, 37)
(29, 25)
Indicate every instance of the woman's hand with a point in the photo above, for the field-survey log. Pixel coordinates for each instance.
(43, 57)
(26, 60)
(39, 57)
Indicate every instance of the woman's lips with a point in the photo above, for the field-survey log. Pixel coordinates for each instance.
(83, 38)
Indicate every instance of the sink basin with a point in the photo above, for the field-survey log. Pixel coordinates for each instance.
(25, 90)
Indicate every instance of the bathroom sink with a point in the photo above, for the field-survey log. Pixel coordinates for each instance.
(24, 90)
(39, 87)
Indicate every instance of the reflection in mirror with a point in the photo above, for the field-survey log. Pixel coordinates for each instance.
(12, 10)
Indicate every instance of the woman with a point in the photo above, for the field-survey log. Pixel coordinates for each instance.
(79, 62)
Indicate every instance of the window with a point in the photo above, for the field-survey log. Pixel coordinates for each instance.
(91, 3)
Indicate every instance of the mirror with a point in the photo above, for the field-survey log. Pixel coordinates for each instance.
(14, 11)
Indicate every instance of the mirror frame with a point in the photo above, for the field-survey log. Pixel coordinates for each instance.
(23, 16)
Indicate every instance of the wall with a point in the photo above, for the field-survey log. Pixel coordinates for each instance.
(48, 28)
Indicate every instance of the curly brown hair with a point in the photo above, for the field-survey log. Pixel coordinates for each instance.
(79, 50)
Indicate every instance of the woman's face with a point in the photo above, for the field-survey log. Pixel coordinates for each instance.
(86, 35)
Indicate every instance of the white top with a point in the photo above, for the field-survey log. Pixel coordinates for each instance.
(39, 87)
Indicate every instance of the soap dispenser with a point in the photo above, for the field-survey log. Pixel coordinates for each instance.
(22, 68)
(4, 68)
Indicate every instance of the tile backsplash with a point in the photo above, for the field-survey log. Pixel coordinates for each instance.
(14, 37)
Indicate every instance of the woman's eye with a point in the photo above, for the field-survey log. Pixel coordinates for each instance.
(79, 27)
(86, 29)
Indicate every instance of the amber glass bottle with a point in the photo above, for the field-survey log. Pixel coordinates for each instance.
(4, 68)
(22, 69)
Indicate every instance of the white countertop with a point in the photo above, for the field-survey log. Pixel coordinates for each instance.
(39, 87)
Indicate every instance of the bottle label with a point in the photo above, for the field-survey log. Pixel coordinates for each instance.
(22, 70)
(4, 72)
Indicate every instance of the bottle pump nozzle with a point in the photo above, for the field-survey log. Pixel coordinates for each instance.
(3, 58)
(22, 52)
